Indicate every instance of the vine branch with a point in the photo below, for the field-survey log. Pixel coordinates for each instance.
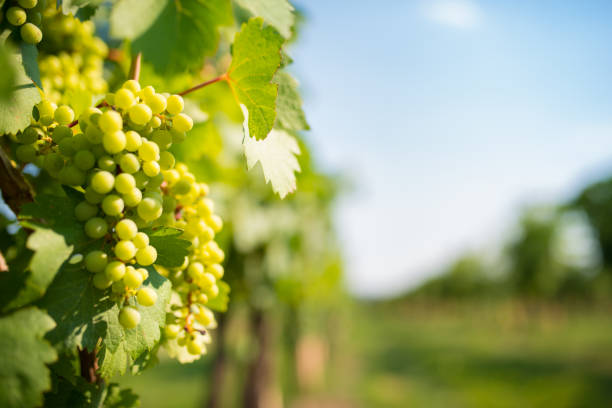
(135, 68)
(224, 77)
(89, 366)
(16, 190)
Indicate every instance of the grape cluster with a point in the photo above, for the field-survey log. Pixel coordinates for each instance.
(116, 157)
(77, 61)
(24, 17)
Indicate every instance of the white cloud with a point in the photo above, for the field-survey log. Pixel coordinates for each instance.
(463, 14)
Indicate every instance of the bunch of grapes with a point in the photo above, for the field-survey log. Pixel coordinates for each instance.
(187, 207)
(115, 154)
(77, 59)
(24, 18)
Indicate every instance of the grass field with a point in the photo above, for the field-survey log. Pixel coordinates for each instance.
(447, 355)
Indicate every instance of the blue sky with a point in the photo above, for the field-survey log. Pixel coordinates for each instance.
(449, 116)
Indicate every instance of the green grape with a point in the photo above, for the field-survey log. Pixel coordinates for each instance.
(132, 141)
(150, 168)
(146, 256)
(175, 104)
(141, 240)
(155, 122)
(169, 204)
(124, 99)
(149, 209)
(125, 250)
(132, 85)
(126, 229)
(72, 176)
(141, 179)
(110, 121)
(112, 205)
(171, 176)
(32, 35)
(35, 18)
(183, 186)
(129, 163)
(64, 115)
(102, 182)
(94, 134)
(129, 317)
(140, 114)
(215, 222)
(26, 153)
(182, 123)
(143, 272)
(157, 103)
(166, 160)
(96, 227)
(172, 330)
(208, 279)
(84, 211)
(80, 142)
(155, 182)
(205, 207)
(66, 147)
(162, 138)
(216, 270)
(92, 197)
(101, 282)
(29, 135)
(115, 271)
(149, 151)
(133, 197)
(16, 16)
(205, 317)
(46, 110)
(195, 270)
(132, 278)
(107, 163)
(27, 4)
(96, 261)
(84, 160)
(194, 347)
(125, 183)
(178, 137)
(213, 291)
(60, 133)
(53, 163)
(147, 92)
(114, 142)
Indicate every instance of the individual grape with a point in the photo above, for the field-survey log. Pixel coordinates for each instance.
(32, 35)
(110, 121)
(125, 250)
(84, 160)
(149, 209)
(84, 211)
(53, 163)
(133, 197)
(29, 135)
(147, 92)
(205, 207)
(146, 256)
(157, 103)
(215, 222)
(195, 270)
(213, 291)
(94, 134)
(193, 347)
(96, 261)
(205, 317)
(155, 182)
(107, 163)
(172, 330)
(162, 138)
(132, 85)
(146, 297)
(125, 183)
(140, 114)
(63, 115)
(114, 142)
(129, 163)
(27, 4)
(207, 280)
(175, 104)
(216, 270)
(132, 141)
(102, 182)
(115, 271)
(46, 110)
(101, 282)
(124, 99)
(149, 151)
(35, 18)
(112, 205)
(141, 240)
(150, 168)
(171, 176)
(182, 186)
(26, 153)
(182, 123)
(144, 273)
(96, 227)
(155, 122)
(60, 133)
(16, 16)
(126, 229)
(93, 197)
(129, 317)
(72, 176)
(166, 160)
(132, 278)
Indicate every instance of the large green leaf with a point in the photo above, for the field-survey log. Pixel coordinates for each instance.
(255, 59)
(289, 113)
(23, 355)
(172, 35)
(277, 13)
(29, 57)
(9, 75)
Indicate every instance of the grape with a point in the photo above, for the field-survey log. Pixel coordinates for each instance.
(29, 135)
(182, 123)
(129, 317)
(107, 163)
(114, 142)
(124, 99)
(207, 280)
(115, 271)
(155, 182)
(205, 317)
(125, 183)
(213, 291)
(150, 168)
(102, 182)
(94, 134)
(141, 240)
(132, 141)
(125, 250)
(53, 163)
(32, 35)
(26, 153)
(155, 122)
(132, 85)
(215, 222)
(157, 103)
(46, 109)
(112, 205)
(27, 4)
(149, 151)
(194, 347)
(110, 122)
(172, 330)
(182, 186)
(126, 229)
(132, 278)
(140, 114)
(175, 104)
(149, 209)
(163, 138)
(171, 176)
(216, 270)
(71, 176)
(60, 133)
(147, 92)
(63, 114)
(205, 207)
(16, 16)
(92, 197)
(143, 272)
(132, 198)
(96, 227)
(129, 163)
(100, 281)
(195, 270)
(35, 18)
(146, 256)
(84, 160)
(84, 211)
(146, 297)
(96, 261)
(166, 160)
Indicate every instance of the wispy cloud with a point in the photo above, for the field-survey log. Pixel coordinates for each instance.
(464, 14)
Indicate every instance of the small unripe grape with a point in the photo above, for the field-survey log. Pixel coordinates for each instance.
(96, 261)
(132, 141)
(140, 114)
(194, 348)
(146, 256)
(129, 317)
(166, 160)
(195, 270)
(162, 138)
(115, 271)
(129, 163)
(27, 4)
(94, 134)
(29, 135)
(53, 163)
(114, 142)
(149, 151)
(107, 163)
(118, 287)
(60, 133)
(84, 160)
(101, 282)
(32, 35)
(102, 182)
(132, 85)
(124, 183)
(216, 270)
(178, 137)
(72, 176)
(132, 278)
(182, 186)
(110, 121)
(93, 197)
(126, 229)
(215, 222)
(172, 330)
(146, 297)
(141, 240)
(63, 115)
(175, 104)
(96, 227)
(155, 122)
(150, 168)
(133, 197)
(149, 209)
(112, 205)
(157, 103)
(124, 99)
(125, 250)
(26, 153)
(16, 16)
(84, 211)
(182, 123)
(35, 18)
(155, 182)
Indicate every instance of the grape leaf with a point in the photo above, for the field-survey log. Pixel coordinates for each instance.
(173, 36)
(9, 75)
(120, 398)
(219, 303)
(256, 57)
(73, 6)
(277, 155)
(171, 250)
(23, 355)
(289, 113)
(29, 56)
(277, 13)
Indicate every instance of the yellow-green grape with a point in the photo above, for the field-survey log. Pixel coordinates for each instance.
(193, 347)
(102, 182)
(149, 209)
(144, 273)
(182, 123)
(96, 261)
(126, 229)
(125, 250)
(64, 115)
(115, 271)
(16, 16)
(84, 211)
(132, 141)
(196, 270)
(30, 33)
(166, 160)
(215, 269)
(60, 133)
(110, 121)
(129, 317)
(46, 110)
(141, 240)
(205, 317)
(146, 256)
(112, 205)
(114, 142)
(132, 85)
(175, 104)
(132, 278)
(215, 222)
(147, 92)
(157, 103)
(27, 4)
(140, 114)
(129, 163)
(133, 197)
(124, 99)
(100, 281)
(151, 168)
(146, 297)
(148, 151)
(107, 164)
(125, 183)
(96, 227)
(172, 330)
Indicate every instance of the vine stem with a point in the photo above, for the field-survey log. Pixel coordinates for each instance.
(135, 69)
(224, 77)
(16, 190)
(89, 365)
